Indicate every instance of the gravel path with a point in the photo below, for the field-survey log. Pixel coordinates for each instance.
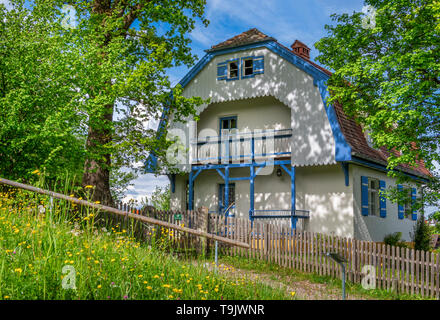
(302, 289)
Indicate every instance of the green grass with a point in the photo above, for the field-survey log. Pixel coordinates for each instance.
(278, 272)
(108, 263)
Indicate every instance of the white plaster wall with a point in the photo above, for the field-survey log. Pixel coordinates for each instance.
(321, 190)
(258, 113)
(312, 140)
(177, 199)
(372, 228)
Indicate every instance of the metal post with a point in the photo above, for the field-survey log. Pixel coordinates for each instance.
(293, 197)
(191, 191)
(226, 199)
(252, 194)
(339, 260)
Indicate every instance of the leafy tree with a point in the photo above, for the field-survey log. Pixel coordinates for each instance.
(123, 49)
(387, 77)
(40, 125)
(86, 62)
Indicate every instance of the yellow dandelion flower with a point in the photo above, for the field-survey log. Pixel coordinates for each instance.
(18, 270)
(99, 286)
(88, 187)
(140, 276)
(292, 293)
(166, 286)
(149, 288)
(156, 276)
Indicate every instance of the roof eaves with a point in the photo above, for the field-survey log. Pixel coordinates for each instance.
(240, 45)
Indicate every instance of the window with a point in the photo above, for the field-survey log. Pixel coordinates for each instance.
(233, 70)
(407, 205)
(373, 197)
(248, 67)
(373, 201)
(231, 198)
(228, 123)
(240, 68)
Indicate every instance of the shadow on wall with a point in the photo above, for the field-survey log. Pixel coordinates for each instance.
(313, 138)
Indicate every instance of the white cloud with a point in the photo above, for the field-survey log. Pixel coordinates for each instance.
(144, 186)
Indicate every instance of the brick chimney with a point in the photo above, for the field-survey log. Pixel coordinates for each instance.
(301, 49)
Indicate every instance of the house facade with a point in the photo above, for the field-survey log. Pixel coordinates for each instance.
(267, 145)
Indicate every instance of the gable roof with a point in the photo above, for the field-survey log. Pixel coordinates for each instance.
(351, 133)
(251, 36)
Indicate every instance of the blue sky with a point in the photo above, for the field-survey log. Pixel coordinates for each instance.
(286, 21)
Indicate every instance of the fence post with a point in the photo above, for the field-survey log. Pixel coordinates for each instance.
(202, 225)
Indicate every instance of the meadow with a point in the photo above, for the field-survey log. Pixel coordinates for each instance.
(56, 250)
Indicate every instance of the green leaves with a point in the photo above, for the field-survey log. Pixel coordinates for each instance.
(388, 77)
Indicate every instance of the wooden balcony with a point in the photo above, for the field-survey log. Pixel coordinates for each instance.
(242, 147)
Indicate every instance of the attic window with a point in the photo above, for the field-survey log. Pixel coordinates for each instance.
(248, 68)
(233, 70)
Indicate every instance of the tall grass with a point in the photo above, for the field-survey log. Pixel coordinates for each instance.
(39, 238)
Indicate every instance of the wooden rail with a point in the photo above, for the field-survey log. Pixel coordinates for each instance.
(124, 213)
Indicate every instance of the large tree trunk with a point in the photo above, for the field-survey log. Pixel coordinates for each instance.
(97, 167)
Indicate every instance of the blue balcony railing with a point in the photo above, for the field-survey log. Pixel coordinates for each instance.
(241, 146)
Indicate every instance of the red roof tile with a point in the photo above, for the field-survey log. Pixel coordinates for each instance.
(250, 36)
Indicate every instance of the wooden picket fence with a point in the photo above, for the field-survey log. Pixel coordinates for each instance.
(399, 269)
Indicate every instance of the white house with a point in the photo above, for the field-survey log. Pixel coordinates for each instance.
(267, 145)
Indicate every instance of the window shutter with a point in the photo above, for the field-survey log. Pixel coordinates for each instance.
(382, 199)
(413, 198)
(364, 195)
(400, 208)
(222, 71)
(258, 65)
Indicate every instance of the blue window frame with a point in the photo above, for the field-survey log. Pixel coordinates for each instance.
(373, 200)
(228, 123)
(252, 65)
(245, 67)
(221, 194)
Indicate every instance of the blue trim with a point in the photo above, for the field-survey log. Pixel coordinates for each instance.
(400, 208)
(344, 166)
(413, 201)
(383, 168)
(172, 178)
(342, 149)
(364, 196)
(382, 199)
(238, 69)
(269, 44)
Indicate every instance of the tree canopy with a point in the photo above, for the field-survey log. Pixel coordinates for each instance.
(387, 76)
(91, 74)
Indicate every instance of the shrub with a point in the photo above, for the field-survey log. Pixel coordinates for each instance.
(393, 239)
(422, 235)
